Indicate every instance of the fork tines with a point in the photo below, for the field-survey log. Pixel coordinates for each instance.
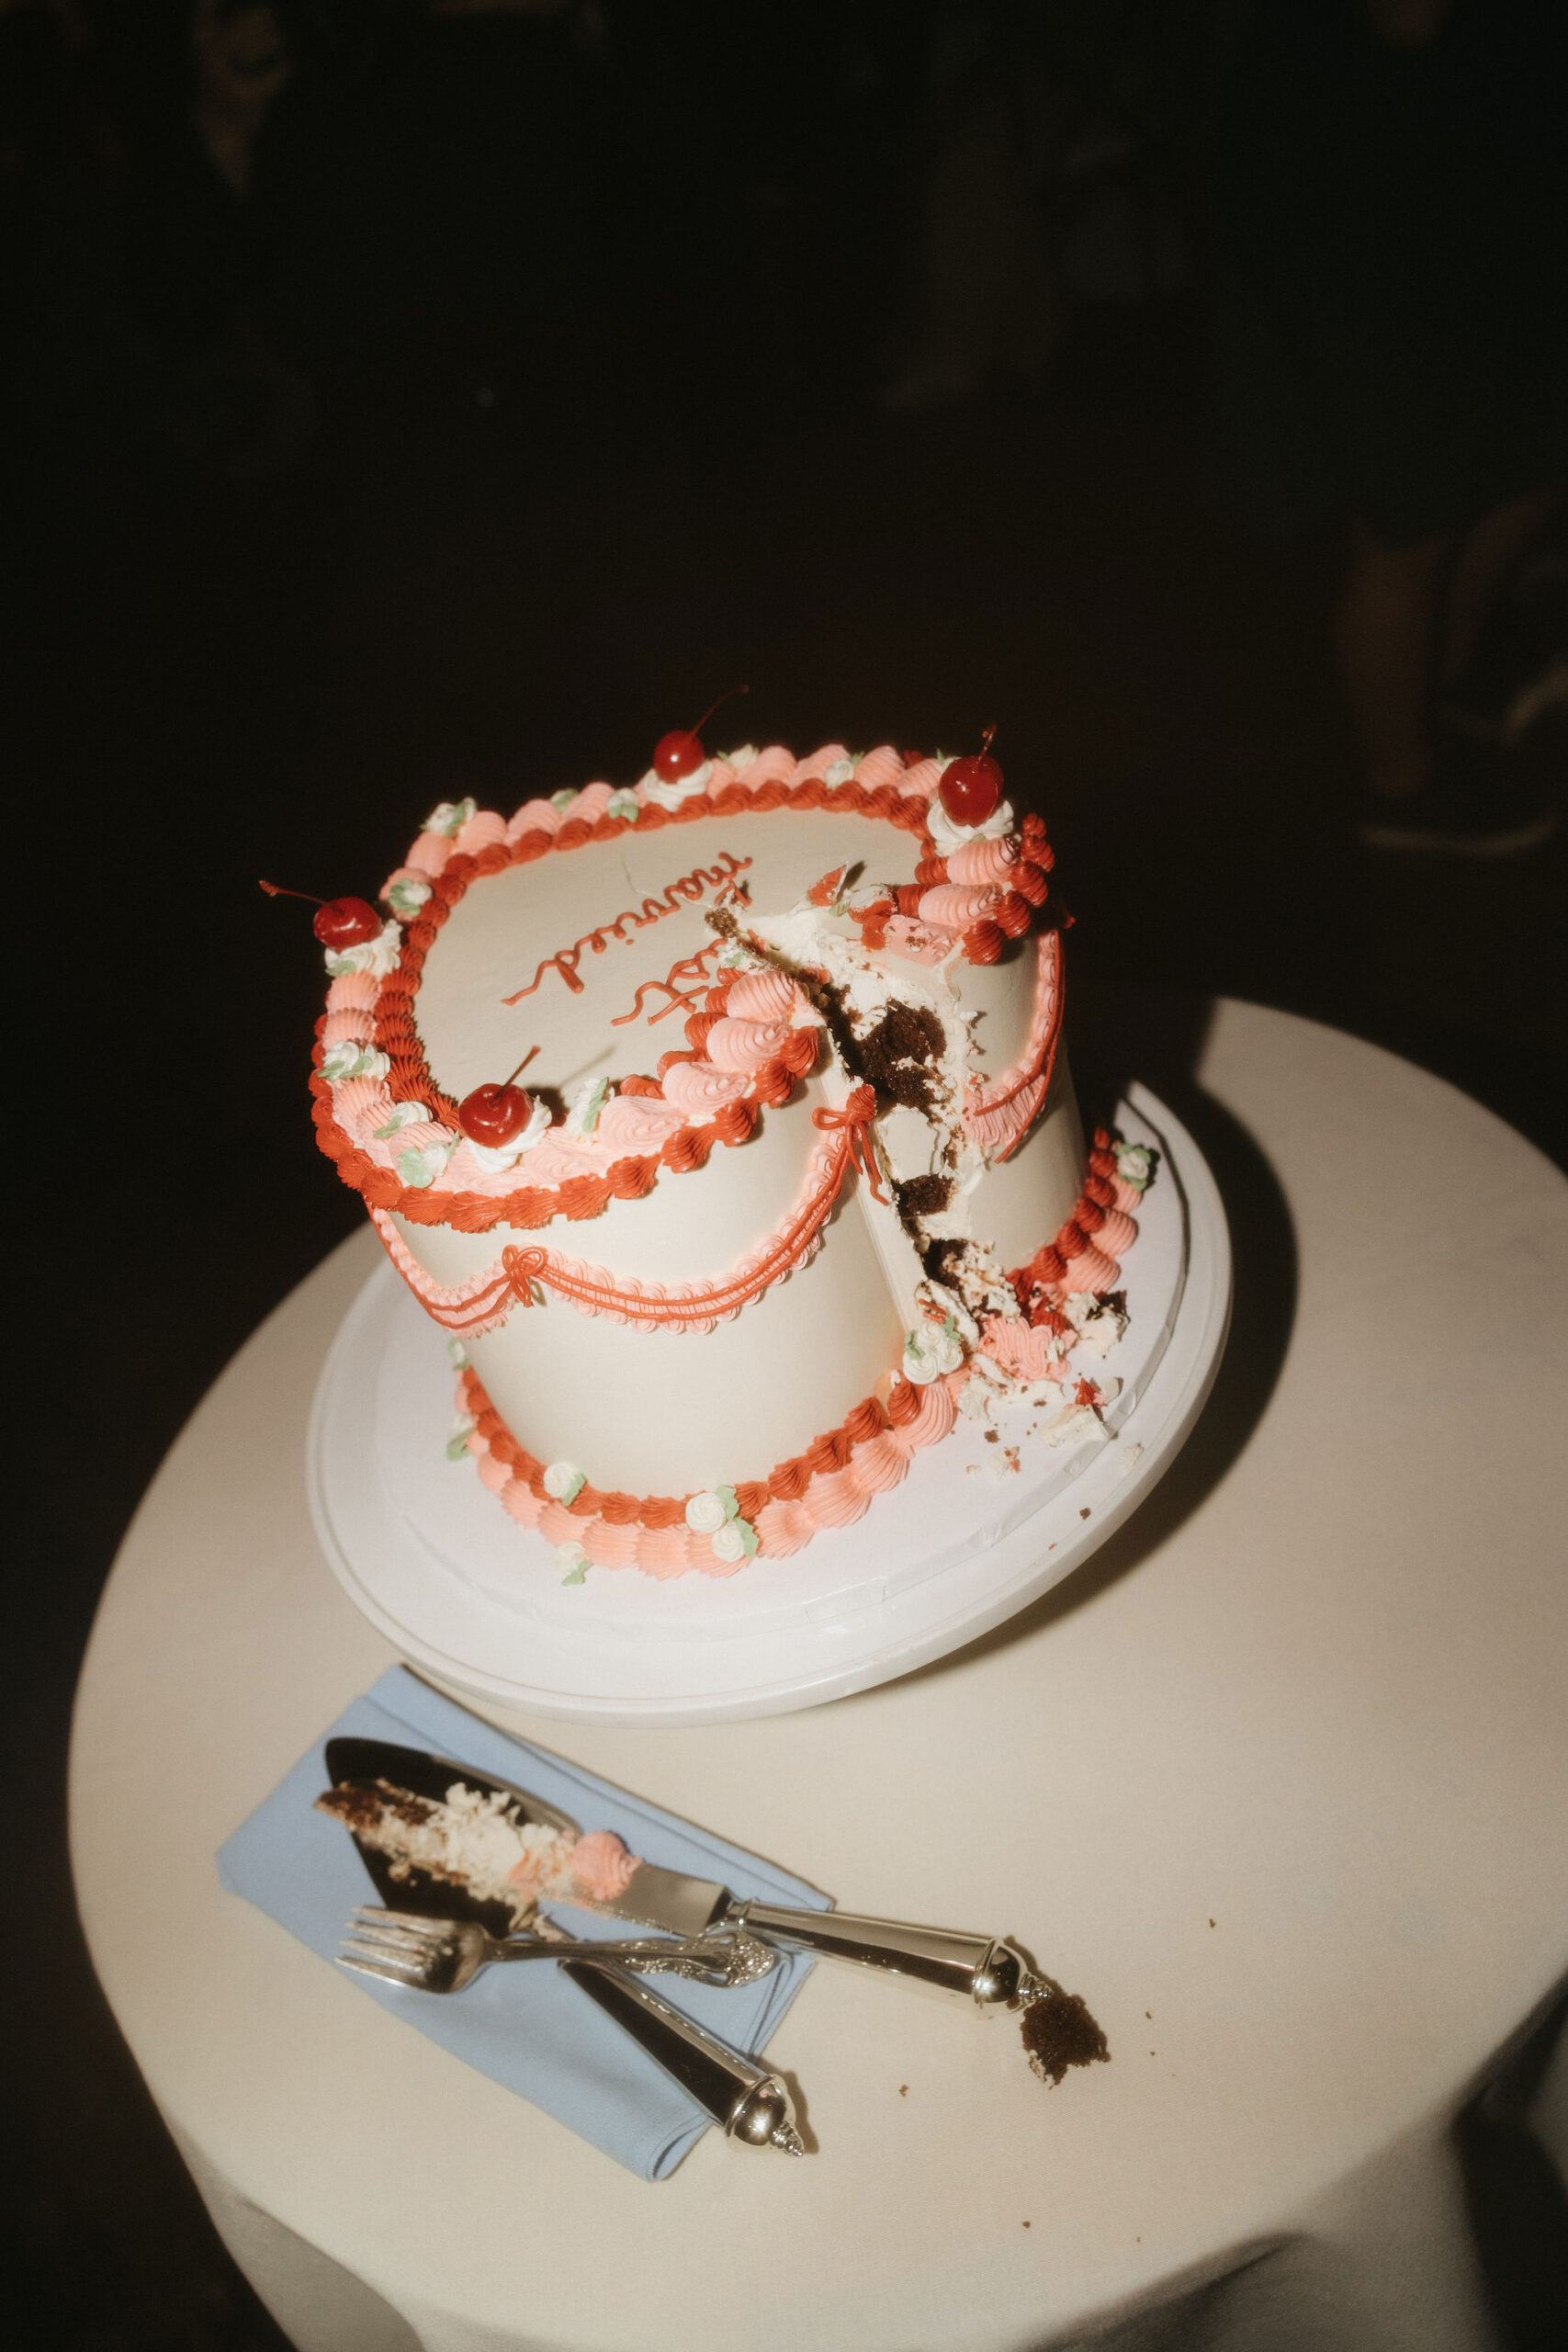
(377, 1916)
(389, 1971)
(387, 1936)
(392, 1945)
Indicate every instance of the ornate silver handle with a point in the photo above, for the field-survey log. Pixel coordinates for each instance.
(990, 1972)
(753, 2106)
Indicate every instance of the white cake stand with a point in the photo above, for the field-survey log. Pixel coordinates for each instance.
(479, 1604)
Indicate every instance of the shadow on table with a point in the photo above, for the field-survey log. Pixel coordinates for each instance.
(1159, 1040)
(1514, 2192)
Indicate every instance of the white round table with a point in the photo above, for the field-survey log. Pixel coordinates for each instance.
(1276, 1783)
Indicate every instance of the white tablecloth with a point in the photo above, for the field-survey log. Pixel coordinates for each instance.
(1276, 1783)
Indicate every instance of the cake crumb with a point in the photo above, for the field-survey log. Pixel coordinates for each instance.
(1059, 2032)
(1028, 2225)
(903, 2090)
(1084, 1512)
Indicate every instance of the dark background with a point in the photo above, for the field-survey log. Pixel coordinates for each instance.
(539, 386)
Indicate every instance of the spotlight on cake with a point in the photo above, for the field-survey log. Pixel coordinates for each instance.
(798, 1185)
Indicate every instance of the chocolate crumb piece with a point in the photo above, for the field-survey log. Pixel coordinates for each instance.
(903, 2090)
(359, 1805)
(1084, 1512)
(993, 1437)
(1059, 2032)
(923, 1195)
(1028, 2225)
(896, 1054)
(944, 1260)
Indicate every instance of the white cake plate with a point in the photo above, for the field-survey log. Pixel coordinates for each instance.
(477, 1602)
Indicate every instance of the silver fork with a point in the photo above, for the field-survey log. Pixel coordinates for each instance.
(445, 1955)
(752, 2105)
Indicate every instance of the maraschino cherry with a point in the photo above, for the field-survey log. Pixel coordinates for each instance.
(339, 922)
(971, 789)
(493, 1114)
(681, 754)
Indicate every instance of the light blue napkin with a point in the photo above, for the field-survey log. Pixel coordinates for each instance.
(528, 2028)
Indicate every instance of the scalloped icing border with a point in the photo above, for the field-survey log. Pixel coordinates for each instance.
(836, 1479)
(486, 1299)
(487, 844)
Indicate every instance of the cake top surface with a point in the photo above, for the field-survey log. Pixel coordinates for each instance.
(646, 949)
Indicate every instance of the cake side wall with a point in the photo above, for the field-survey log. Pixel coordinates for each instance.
(1021, 1202)
(689, 1229)
(668, 1412)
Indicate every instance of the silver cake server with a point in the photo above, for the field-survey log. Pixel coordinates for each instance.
(988, 1970)
(751, 2103)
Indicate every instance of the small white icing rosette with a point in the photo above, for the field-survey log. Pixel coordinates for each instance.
(448, 820)
(572, 1561)
(716, 1513)
(931, 1354)
(406, 891)
(1135, 1164)
(378, 956)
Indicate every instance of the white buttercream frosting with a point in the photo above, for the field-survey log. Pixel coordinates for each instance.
(583, 1117)
(420, 1164)
(933, 1351)
(349, 1059)
(494, 1159)
(948, 836)
(407, 893)
(378, 955)
(1135, 1165)
(449, 818)
(664, 795)
(402, 1115)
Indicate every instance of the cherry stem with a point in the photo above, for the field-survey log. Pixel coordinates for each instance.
(727, 695)
(275, 890)
(988, 735)
(522, 1065)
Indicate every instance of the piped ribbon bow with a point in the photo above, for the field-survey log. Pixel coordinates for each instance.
(853, 1122)
(523, 1267)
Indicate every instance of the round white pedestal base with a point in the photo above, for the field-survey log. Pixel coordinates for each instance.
(477, 1602)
